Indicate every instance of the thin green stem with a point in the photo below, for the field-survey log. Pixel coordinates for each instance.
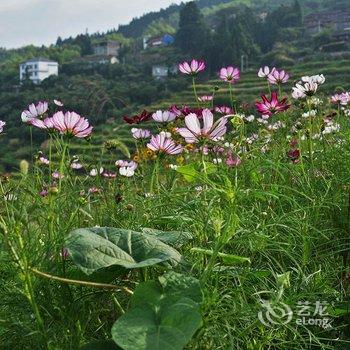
(81, 283)
(231, 98)
(195, 90)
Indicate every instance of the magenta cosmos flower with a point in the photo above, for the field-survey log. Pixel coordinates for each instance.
(34, 111)
(192, 68)
(71, 124)
(2, 124)
(229, 74)
(194, 131)
(271, 106)
(144, 116)
(164, 144)
(278, 77)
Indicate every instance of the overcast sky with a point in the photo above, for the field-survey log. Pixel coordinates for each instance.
(38, 22)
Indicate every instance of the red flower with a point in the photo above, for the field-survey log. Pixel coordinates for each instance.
(294, 155)
(137, 119)
(272, 106)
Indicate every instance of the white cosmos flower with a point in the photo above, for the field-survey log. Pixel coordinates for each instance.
(265, 71)
(250, 118)
(126, 168)
(317, 79)
(303, 89)
(163, 116)
(95, 172)
(126, 171)
(311, 113)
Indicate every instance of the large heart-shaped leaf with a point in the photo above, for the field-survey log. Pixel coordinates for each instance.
(173, 238)
(97, 248)
(182, 286)
(157, 320)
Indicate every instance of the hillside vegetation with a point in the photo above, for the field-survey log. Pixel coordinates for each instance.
(222, 33)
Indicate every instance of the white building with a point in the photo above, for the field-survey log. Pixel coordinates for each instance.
(160, 71)
(37, 69)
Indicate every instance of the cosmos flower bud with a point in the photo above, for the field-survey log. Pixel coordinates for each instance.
(24, 167)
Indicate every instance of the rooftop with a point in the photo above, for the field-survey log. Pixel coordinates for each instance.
(39, 59)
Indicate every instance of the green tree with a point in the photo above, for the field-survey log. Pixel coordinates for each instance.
(84, 42)
(59, 41)
(193, 35)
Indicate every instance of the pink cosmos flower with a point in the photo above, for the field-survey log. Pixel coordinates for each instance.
(343, 98)
(140, 133)
(109, 175)
(43, 193)
(34, 111)
(205, 98)
(47, 123)
(224, 110)
(232, 161)
(265, 71)
(192, 68)
(76, 166)
(57, 175)
(93, 190)
(162, 143)
(193, 131)
(278, 77)
(271, 106)
(163, 117)
(229, 74)
(44, 161)
(71, 124)
(2, 124)
(175, 110)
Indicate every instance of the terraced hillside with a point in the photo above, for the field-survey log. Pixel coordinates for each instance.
(249, 87)
(247, 90)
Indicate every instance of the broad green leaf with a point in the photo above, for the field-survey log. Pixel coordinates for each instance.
(173, 238)
(226, 258)
(194, 171)
(97, 248)
(182, 286)
(157, 320)
(188, 171)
